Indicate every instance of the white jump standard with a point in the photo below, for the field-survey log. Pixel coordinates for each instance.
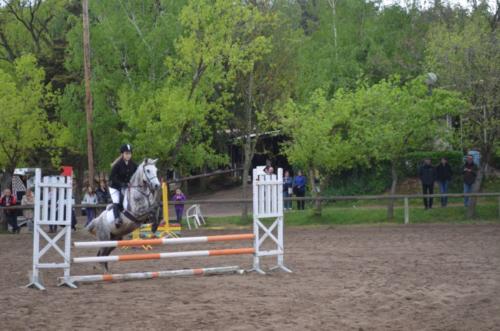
(54, 207)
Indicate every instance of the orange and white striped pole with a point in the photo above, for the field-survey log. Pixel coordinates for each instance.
(163, 241)
(158, 274)
(158, 256)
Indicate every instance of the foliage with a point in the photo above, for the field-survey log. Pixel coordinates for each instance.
(381, 122)
(24, 125)
(319, 135)
(466, 56)
(180, 79)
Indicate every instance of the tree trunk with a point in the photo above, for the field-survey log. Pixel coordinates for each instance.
(248, 146)
(204, 180)
(314, 192)
(6, 182)
(394, 176)
(247, 163)
(88, 93)
(476, 187)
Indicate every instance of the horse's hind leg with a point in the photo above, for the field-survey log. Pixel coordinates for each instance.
(105, 251)
(103, 234)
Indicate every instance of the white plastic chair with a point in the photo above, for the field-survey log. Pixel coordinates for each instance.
(194, 212)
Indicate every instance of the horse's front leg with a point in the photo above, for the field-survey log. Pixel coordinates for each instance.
(155, 218)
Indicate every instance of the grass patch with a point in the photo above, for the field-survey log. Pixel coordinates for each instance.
(370, 215)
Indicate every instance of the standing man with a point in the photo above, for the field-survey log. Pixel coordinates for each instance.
(469, 173)
(299, 187)
(444, 173)
(427, 175)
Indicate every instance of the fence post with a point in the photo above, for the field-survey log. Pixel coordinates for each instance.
(407, 211)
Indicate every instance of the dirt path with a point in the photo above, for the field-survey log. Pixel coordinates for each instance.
(417, 277)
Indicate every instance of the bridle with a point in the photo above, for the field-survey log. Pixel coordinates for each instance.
(149, 179)
(147, 183)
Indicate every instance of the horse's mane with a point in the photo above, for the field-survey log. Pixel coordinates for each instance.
(138, 171)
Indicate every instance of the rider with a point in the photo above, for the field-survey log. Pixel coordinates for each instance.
(122, 170)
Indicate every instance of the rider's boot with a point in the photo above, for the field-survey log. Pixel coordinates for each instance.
(116, 211)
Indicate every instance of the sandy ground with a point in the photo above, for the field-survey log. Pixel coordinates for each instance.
(417, 277)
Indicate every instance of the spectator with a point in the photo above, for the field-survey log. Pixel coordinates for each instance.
(18, 187)
(287, 189)
(269, 170)
(28, 199)
(299, 187)
(179, 208)
(102, 193)
(469, 174)
(427, 174)
(7, 200)
(443, 174)
(89, 198)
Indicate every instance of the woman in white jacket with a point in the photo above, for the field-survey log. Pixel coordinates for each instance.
(90, 198)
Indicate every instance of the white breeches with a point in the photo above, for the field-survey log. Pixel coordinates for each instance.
(115, 195)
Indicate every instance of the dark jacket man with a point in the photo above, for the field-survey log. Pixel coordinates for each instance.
(443, 172)
(470, 172)
(427, 174)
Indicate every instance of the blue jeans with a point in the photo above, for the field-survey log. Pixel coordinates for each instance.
(467, 189)
(443, 188)
(90, 215)
(287, 204)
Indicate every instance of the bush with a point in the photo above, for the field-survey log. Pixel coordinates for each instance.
(358, 181)
(376, 179)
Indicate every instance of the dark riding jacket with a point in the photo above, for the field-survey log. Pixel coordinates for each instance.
(121, 173)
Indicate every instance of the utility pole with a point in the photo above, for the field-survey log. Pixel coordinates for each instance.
(88, 92)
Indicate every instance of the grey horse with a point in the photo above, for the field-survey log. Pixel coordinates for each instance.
(140, 206)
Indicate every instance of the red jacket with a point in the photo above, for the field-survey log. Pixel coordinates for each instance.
(8, 201)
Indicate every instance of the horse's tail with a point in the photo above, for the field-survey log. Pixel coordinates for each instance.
(91, 227)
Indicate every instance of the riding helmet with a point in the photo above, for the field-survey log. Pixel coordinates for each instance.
(126, 148)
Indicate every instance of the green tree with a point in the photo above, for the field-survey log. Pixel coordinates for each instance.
(466, 57)
(395, 119)
(320, 137)
(229, 61)
(382, 122)
(24, 125)
(130, 41)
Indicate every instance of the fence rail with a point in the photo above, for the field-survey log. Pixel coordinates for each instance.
(405, 197)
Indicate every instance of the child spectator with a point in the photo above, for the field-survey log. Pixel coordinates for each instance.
(179, 208)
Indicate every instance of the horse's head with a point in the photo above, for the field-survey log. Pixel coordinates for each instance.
(149, 173)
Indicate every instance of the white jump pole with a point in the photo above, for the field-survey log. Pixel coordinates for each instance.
(163, 241)
(158, 256)
(158, 274)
